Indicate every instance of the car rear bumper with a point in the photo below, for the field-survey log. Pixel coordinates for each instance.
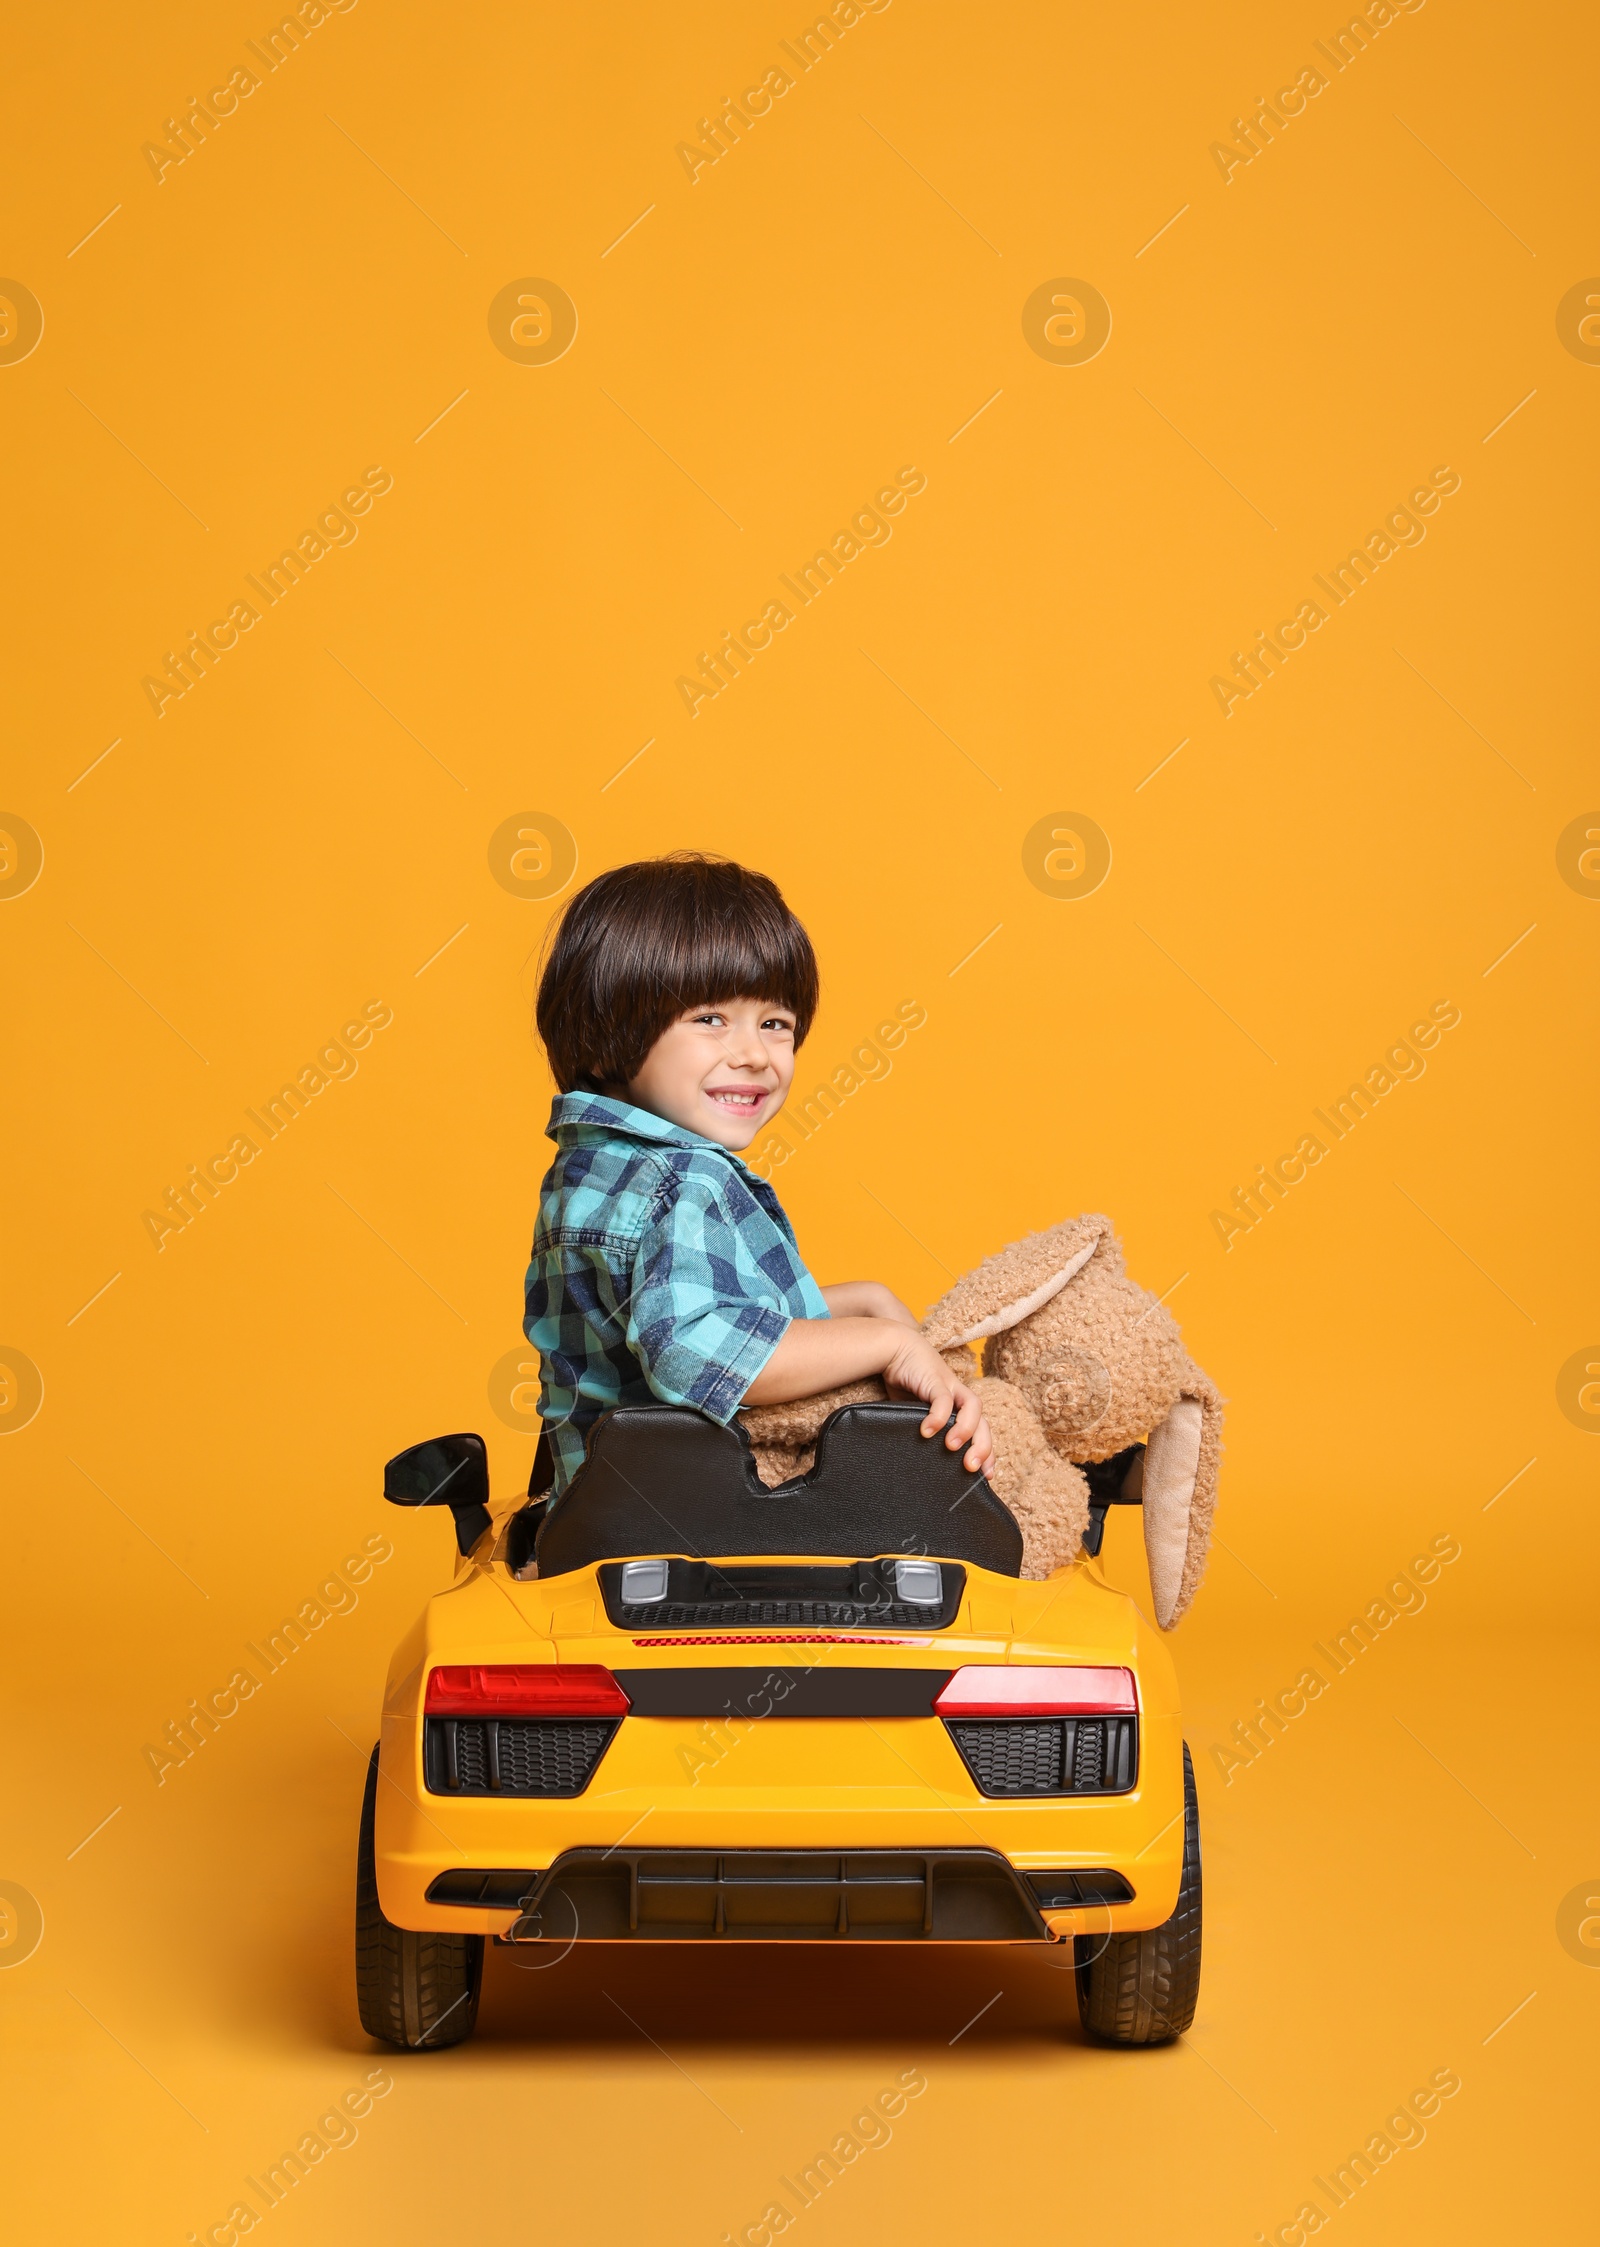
(663, 1792)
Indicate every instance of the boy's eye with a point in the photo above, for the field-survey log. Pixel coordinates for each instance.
(778, 1022)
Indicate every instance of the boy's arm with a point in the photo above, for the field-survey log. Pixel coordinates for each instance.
(696, 1338)
(866, 1299)
(820, 1354)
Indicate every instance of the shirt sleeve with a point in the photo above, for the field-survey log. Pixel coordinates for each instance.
(701, 1321)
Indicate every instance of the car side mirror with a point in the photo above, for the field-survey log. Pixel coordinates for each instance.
(448, 1471)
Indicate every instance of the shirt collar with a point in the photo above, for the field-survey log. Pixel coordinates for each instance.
(586, 1119)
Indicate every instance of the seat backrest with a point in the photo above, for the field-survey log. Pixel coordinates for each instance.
(661, 1479)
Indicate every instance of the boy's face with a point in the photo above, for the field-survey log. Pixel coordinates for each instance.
(721, 1070)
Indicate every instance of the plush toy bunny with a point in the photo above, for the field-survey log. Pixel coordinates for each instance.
(1079, 1362)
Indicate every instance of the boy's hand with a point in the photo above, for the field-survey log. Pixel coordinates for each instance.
(917, 1370)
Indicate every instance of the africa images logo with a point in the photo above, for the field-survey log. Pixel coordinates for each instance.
(721, 668)
(334, 1062)
(203, 650)
(1256, 667)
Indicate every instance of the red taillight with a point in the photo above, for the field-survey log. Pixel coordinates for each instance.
(993, 1689)
(524, 1690)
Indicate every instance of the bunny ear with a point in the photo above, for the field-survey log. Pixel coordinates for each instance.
(1013, 1314)
(1181, 1463)
(1010, 1287)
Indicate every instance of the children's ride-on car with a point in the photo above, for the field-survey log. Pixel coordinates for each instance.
(674, 1705)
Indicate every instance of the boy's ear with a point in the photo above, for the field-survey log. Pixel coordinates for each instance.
(1010, 1287)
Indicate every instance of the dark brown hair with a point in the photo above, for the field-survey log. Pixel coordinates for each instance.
(641, 944)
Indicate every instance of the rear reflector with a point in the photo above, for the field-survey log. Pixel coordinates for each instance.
(552, 1689)
(994, 1689)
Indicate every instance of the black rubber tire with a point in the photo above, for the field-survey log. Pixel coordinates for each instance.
(419, 1991)
(1142, 1989)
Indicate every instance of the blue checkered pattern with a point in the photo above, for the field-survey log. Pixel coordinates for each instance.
(662, 1268)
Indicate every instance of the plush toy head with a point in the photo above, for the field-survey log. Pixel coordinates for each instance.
(1103, 1366)
(1079, 1363)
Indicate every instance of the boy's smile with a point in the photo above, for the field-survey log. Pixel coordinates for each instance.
(720, 1070)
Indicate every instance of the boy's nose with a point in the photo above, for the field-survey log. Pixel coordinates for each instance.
(744, 1050)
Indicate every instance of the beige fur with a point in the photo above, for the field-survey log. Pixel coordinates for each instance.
(1078, 1363)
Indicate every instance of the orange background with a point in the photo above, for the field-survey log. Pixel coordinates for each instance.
(1293, 351)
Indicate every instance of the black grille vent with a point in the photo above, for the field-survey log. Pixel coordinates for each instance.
(1049, 1755)
(482, 1889)
(1053, 1891)
(780, 1614)
(858, 1595)
(494, 1755)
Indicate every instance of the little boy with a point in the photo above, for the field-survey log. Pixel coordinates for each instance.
(675, 996)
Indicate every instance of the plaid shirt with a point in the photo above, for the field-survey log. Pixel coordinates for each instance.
(662, 1268)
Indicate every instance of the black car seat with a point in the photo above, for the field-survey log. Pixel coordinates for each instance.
(659, 1478)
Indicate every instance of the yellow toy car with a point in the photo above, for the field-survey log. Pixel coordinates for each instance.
(674, 1705)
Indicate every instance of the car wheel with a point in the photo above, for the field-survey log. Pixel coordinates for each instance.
(1141, 1989)
(420, 1991)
